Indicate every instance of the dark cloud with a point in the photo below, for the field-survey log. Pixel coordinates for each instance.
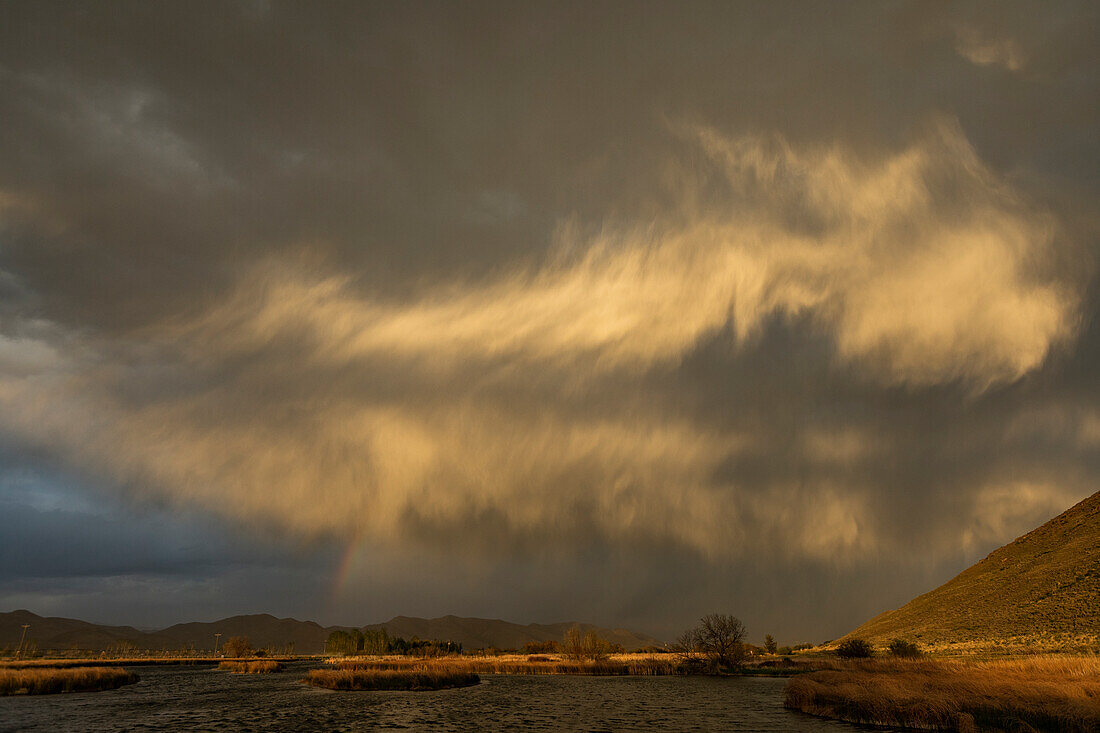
(71, 550)
(621, 312)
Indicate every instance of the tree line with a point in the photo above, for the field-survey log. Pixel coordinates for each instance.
(377, 641)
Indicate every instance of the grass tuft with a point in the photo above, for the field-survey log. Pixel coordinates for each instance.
(388, 679)
(75, 679)
(263, 666)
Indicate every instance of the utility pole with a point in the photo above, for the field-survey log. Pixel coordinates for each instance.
(216, 643)
(22, 639)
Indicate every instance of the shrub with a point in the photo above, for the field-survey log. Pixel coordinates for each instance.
(903, 648)
(572, 644)
(855, 649)
(688, 643)
(595, 647)
(238, 646)
(540, 647)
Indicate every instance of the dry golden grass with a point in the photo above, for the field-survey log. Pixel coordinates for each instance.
(521, 664)
(78, 679)
(260, 666)
(1040, 693)
(388, 679)
(117, 662)
(123, 662)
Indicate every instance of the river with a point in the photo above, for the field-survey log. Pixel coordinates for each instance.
(207, 699)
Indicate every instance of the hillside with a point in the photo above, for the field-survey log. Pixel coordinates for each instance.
(1042, 590)
(480, 633)
(63, 633)
(264, 630)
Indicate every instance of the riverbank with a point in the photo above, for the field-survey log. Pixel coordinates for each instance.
(388, 679)
(257, 666)
(63, 663)
(629, 664)
(51, 681)
(515, 664)
(1045, 693)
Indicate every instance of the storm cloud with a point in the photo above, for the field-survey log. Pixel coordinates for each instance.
(553, 312)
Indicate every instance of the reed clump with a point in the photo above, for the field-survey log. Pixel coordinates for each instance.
(112, 661)
(521, 665)
(1047, 693)
(389, 679)
(47, 681)
(261, 666)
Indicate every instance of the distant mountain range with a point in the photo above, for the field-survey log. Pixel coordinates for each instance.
(1041, 590)
(307, 637)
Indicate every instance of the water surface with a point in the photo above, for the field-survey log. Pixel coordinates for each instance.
(207, 699)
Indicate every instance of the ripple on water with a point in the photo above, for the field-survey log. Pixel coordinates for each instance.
(198, 699)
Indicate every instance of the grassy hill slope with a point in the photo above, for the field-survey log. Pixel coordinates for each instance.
(1042, 591)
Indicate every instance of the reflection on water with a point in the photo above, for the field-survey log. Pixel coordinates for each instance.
(190, 698)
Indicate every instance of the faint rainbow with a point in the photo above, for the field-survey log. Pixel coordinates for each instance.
(346, 565)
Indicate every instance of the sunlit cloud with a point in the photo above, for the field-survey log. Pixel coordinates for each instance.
(923, 266)
(300, 399)
(984, 49)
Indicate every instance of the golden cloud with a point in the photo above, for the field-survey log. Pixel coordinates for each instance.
(925, 269)
(921, 266)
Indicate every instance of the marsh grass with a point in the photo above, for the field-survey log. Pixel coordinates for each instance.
(124, 662)
(120, 662)
(262, 666)
(76, 679)
(626, 665)
(390, 679)
(1044, 693)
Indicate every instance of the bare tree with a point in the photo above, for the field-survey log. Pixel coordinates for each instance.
(572, 644)
(722, 638)
(596, 647)
(688, 644)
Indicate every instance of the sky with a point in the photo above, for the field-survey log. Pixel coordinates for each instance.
(615, 312)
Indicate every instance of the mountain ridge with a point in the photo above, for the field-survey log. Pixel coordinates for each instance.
(266, 630)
